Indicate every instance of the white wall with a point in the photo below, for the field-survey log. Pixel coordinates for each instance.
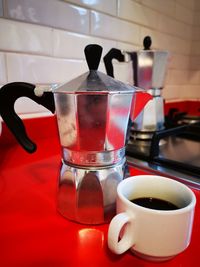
(42, 41)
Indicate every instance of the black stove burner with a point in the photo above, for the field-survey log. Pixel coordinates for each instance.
(191, 133)
(177, 147)
(175, 118)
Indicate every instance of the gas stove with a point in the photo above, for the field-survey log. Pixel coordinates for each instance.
(173, 152)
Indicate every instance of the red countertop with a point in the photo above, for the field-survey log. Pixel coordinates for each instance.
(191, 107)
(33, 234)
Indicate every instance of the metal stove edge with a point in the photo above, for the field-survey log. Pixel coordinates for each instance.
(153, 168)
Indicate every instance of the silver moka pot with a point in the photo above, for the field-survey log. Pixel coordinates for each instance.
(149, 72)
(92, 113)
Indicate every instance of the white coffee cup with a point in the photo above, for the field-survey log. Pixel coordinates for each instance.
(152, 234)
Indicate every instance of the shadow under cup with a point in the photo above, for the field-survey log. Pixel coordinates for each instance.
(153, 234)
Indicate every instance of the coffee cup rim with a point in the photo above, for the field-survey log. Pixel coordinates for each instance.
(190, 206)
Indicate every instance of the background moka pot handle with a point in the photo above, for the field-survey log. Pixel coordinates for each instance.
(115, 53)
(9, 93)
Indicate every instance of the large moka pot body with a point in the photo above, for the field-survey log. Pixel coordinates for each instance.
(92, 113)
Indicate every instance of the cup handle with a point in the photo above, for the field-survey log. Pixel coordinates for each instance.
(114, 230)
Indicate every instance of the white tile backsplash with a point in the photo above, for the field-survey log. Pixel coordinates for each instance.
(71, 45)
(184, 14)
(177, 77)
(180, 46)
(194, 77)
(122, 72)
(172, 92)
(190, 92)
(197, 5)
(195, 48)
(3, 78)
(188, 4)
(138, 13)
(197, 18)
(53, 13)
(167, 7)
(27, 38)
(195, 62)
(196, 33)
(128, 47)
(114, 28)
(174, 27)
(43, 41)
(25, 105)
(106, 6)
(1, 8)
(178, 61)
(43, 70)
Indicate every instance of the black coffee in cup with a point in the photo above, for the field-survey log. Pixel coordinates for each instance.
(154, 203)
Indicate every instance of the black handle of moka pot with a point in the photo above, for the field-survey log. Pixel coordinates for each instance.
(147, 43)
(9, 93)
(93, 55)
(114, 53)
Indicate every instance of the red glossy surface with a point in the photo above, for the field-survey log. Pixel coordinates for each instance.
(32, 233)
(140, 99)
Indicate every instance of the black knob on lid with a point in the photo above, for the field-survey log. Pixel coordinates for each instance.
(93, 55)
(147, 43)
